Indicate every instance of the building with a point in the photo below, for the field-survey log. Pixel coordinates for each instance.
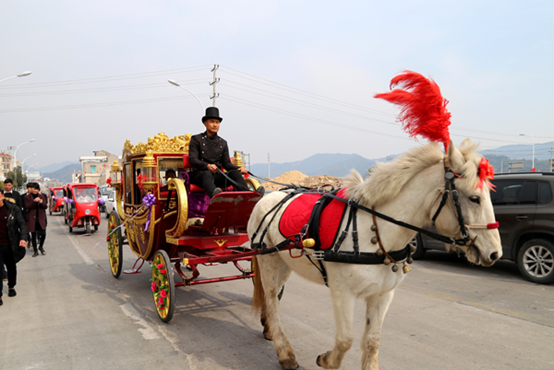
(95, 169)
(5, 164)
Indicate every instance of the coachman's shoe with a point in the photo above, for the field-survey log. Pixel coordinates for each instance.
(260, 190)
(216, 191)
(1, 303)
(42, 251)
(12, 292)
(35, 254)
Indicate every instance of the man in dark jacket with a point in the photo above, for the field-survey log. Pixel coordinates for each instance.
(13, 240)
(9, 192)
(36, 203)
(208, 152)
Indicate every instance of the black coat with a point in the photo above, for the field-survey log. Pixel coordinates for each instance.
(17, 230)
(205, 150)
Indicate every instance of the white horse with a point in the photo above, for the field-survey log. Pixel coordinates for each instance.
(408, 189)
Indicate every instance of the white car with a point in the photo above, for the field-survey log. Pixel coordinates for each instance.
(110, 203)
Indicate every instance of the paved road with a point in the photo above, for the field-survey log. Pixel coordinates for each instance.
(70, 313)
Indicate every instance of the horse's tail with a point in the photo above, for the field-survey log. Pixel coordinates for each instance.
(258, 299)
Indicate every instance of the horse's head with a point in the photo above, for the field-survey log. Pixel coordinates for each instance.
(482, 244)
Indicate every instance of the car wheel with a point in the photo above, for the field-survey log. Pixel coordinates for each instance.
(417, 243)
(535, 260)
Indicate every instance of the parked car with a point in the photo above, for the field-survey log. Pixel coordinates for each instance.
(110, 203)
(523, 206)
(103, 191)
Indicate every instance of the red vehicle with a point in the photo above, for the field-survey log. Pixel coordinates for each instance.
(81, 206)
(55, 203)
(174, 225)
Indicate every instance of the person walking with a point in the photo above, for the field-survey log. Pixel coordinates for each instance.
(13, 240)
(14, 197)
(36, 203)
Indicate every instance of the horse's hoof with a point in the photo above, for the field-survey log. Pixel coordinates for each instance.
(267, 336)
(318, 360)
(289, 364)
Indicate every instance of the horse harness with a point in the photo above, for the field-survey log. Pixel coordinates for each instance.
(381, 256)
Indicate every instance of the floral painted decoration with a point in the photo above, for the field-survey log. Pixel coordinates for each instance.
(486, 173)
(160, 286)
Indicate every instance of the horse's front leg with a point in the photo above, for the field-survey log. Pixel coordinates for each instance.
(375, 315)
(343, 307)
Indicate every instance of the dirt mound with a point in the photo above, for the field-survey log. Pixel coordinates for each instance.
(298, 178)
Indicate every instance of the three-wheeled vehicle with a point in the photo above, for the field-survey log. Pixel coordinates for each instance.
(55, 203)
(81, 204)
(174, 225)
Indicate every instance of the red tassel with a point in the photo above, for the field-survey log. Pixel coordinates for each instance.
(423, 109)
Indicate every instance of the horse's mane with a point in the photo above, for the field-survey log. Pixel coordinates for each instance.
(388, 179)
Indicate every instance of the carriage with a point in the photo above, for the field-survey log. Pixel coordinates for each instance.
(55, 195)
(173, 224)
(81, 204)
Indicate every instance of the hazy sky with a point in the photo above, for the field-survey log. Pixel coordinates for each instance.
(296, 77)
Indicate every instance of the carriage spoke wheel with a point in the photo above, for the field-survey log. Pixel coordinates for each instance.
(115, 242)
(163, 285)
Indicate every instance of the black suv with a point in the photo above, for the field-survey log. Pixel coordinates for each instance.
(523, 206)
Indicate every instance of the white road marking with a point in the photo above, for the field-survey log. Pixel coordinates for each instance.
(147, 331)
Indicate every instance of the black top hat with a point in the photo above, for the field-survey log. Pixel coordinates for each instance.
(212, 112)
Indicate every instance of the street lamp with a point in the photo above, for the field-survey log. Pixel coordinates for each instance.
(23, 162)
(15, 152)
(19, 75)
(184, 88)
(34, 164)
(533, 160)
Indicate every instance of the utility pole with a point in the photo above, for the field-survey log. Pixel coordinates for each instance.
(213, 83)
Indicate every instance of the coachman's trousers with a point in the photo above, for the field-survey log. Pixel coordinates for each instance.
(209, 181)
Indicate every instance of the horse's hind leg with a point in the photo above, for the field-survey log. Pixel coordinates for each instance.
(375, 315)
(273, 273)
(343, 307)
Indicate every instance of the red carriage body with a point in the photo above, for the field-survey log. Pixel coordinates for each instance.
(174, 224)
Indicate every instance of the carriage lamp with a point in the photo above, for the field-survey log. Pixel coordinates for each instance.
(150, 174)
(115, 174)
(237, 160)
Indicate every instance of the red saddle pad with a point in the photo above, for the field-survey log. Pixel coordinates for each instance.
(297, 214)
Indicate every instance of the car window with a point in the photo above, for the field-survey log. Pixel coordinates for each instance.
(511, 192)
(528, 193)
(545, 193)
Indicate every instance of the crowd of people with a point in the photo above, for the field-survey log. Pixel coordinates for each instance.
(22, 219)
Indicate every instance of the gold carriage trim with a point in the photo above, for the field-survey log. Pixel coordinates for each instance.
(220, 242)
(160, 143)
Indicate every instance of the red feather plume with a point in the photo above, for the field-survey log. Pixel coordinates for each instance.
(423, 109)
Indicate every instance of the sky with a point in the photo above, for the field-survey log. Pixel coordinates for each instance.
(295, 78)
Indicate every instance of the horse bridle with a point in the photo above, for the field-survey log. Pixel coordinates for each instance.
(450, 188)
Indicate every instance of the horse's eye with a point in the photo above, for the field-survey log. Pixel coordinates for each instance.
(475, 199)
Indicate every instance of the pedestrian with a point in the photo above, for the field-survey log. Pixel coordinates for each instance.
(10, 192)
(13, 240)
(36, 203)
(14, 197)
(208, 152)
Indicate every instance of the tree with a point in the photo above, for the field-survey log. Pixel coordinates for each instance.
(19, 179)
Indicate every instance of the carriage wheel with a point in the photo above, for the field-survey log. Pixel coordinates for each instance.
(87, 227)
(163, 285)
(115, 243)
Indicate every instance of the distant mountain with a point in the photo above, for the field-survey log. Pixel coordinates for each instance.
(522, 151)
(56, 166)
(65, 173)
(319, 164)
